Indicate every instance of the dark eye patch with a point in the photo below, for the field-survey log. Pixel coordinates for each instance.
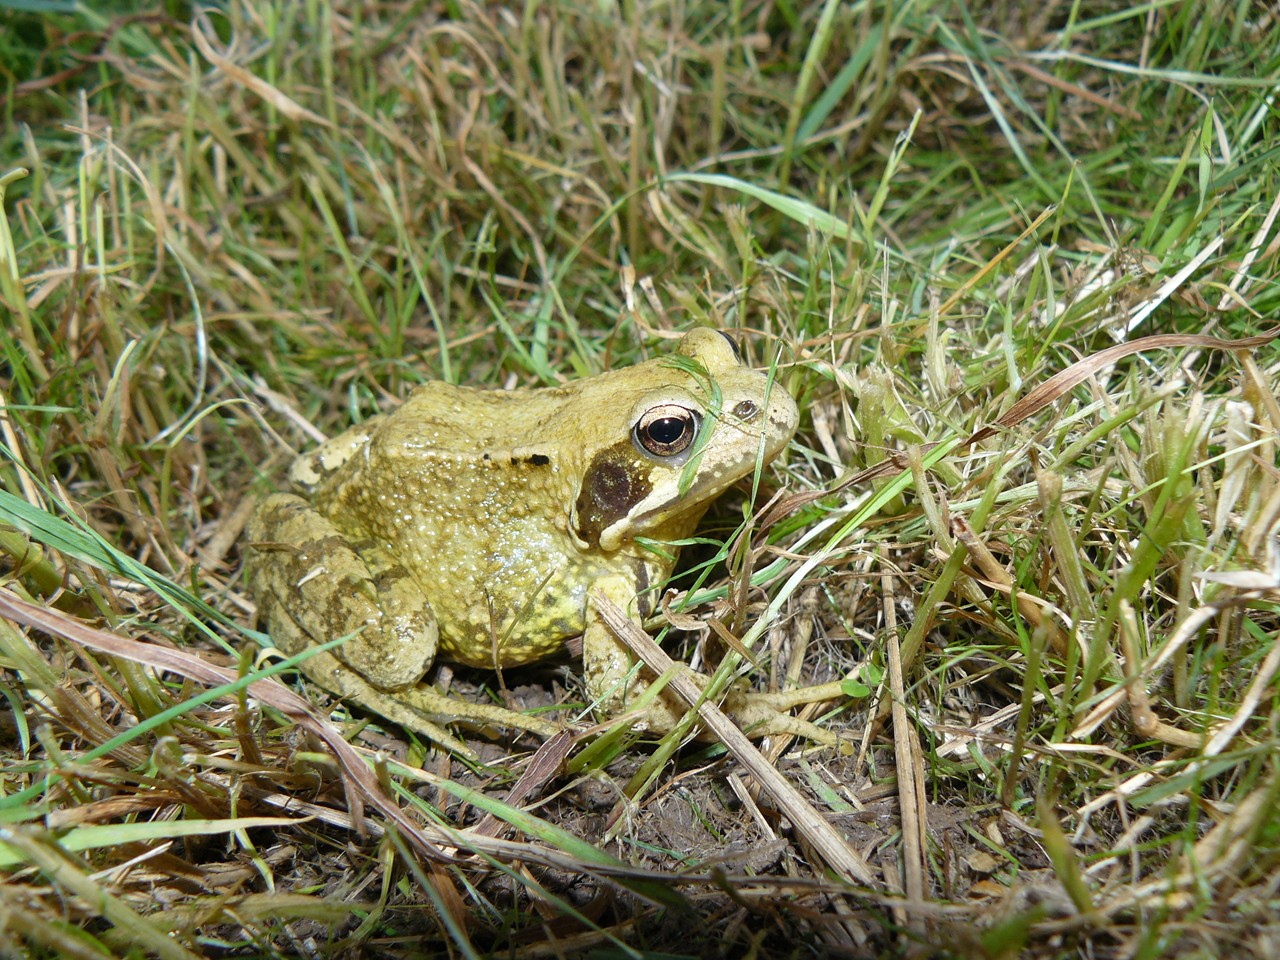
(612, 485)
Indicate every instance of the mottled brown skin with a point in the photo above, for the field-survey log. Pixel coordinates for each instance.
(471, 525)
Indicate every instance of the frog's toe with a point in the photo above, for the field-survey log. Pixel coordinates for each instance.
(783, 724)
(426, 702)
(768, 714)
(420, 708)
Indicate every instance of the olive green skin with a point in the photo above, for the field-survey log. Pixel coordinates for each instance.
(473, 525)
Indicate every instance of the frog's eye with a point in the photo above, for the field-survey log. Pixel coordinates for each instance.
(666, 429)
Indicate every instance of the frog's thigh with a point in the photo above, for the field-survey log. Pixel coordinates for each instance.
(315, 587)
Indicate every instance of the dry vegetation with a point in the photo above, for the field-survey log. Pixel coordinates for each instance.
(242, 228)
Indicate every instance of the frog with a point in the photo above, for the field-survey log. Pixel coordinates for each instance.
(477, 526)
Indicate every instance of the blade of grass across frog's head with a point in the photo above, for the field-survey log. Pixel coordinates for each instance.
(714, 404)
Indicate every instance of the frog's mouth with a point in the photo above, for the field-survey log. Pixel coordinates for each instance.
(638, 513)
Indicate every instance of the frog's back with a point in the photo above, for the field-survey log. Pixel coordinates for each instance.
(473, 420)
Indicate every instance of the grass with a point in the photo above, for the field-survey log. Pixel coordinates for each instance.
(244, 228)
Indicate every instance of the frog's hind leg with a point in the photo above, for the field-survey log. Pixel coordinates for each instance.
(420, 708)
(329, 672)
(313, 586)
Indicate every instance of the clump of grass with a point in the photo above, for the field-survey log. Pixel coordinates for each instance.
(245, 230)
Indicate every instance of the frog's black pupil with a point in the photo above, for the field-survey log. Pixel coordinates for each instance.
(667, 430)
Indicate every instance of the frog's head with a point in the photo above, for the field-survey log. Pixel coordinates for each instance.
(696, 422)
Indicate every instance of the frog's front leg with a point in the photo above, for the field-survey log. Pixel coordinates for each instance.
(608, 667)
(615, 686)
(313, 586)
